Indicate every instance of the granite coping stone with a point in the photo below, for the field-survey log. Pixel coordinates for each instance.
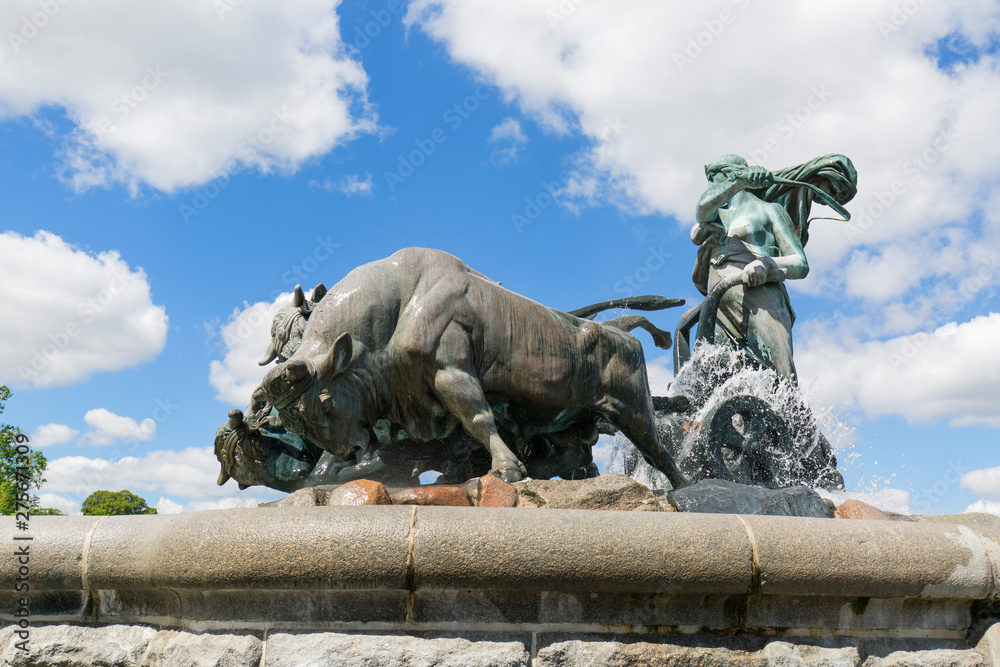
(56, 555)
(870, 558)
(439, 548)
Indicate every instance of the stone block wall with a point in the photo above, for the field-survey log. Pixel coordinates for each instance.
(141, 646)
(417, 585)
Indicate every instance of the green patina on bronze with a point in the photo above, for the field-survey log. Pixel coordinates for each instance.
(751, 227)
(375, 375)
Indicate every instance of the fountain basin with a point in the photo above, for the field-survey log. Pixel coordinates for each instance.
(497, 573)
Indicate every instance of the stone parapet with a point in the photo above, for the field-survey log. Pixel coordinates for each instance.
(418, 569)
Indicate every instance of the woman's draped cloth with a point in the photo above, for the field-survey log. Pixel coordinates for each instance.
(760, 318)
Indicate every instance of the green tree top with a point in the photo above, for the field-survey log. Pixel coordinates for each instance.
(46, 511)
(35, 466)
(115, 502)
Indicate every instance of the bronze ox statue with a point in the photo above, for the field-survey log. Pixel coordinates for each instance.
(421, 340)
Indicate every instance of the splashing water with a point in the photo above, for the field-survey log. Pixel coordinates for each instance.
(715, 374)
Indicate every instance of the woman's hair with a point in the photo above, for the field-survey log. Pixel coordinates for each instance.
(723, 164)
(836, 171)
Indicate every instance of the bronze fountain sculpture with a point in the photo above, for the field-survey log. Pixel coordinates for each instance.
(417, 362)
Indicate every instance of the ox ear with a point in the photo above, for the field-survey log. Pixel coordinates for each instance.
(339, 358)
(318, 293)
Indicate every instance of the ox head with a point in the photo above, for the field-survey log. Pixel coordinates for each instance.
(289, 323)
(255, 457)
(322, 399)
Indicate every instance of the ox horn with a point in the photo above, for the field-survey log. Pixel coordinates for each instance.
(223, 477)
(270, 355)
(299, 301)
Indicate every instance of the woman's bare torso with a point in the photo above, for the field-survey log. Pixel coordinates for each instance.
(747, 218)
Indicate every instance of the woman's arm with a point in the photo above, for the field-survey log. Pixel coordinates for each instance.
(719, 191)
(727, 183)
(792, 260)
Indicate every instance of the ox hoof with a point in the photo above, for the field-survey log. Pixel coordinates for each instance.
(509, 474)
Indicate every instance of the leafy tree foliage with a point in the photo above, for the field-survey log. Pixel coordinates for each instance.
(9, 463)
(115, 502)
(46, 511)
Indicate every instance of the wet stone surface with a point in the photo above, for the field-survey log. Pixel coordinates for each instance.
(716, 496)
(609, 491)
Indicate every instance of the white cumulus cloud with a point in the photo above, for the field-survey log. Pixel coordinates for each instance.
(189, 474)
(985, 506)
(69, 313)
(245, 337)
(507, 138)
(661, 374)
(167, 506)
(65, 505)
(47, 435)
(108, 428)
(984, 482)
(660, 88)
(508, 130)
(172, 93)
(949, 373)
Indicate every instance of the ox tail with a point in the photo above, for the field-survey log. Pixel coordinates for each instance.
(644, 302)
(626, 323)
(647, 302)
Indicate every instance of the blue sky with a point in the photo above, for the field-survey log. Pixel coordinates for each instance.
(180, 167)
